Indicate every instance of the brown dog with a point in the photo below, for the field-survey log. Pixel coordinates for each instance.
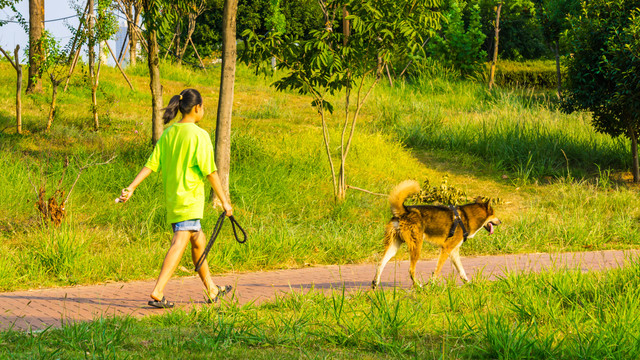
(447, 227)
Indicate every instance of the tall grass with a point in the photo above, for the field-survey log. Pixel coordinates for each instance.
(516, 131)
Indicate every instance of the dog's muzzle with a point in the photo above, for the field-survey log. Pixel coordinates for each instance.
(491, 224)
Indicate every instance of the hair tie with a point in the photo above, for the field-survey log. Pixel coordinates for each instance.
(180, 96)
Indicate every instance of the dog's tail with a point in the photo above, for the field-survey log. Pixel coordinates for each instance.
(400, 193)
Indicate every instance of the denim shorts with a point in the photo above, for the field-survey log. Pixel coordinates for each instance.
(187, 225)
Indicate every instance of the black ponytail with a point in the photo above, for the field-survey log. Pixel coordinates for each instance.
(184, 102)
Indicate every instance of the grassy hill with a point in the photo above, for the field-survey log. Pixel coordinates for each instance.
(561, 185)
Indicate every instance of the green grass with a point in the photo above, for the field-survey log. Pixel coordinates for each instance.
(280, 182)
(516, 131)
(559, 315)
(507, 144)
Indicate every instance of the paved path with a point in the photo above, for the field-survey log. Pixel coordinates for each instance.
(39, 309)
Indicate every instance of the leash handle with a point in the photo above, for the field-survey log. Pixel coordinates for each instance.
(216, 232)
(235, 223)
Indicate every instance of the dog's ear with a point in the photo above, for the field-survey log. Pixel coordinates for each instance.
(484, 201)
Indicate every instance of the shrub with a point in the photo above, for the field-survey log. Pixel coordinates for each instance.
(539, 74)
(458, 47)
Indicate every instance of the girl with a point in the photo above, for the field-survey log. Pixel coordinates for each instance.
(184, 153)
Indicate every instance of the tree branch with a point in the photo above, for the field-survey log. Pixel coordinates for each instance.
(80, 173)
(366, 191)
(13, 63)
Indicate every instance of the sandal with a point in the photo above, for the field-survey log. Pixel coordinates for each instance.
(222, 291)
(162, 304)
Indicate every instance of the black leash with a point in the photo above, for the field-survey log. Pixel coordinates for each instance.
(457, 221)
(214, 236)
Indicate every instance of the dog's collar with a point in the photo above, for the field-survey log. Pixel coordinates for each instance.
(457, 221)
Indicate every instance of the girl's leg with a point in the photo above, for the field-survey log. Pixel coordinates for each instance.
(171, 261)
(198, 244)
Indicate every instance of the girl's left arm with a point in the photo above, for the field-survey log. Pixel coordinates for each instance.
(128, 191)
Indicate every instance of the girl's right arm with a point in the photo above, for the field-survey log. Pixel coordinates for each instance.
(128, 191)
(214, 180)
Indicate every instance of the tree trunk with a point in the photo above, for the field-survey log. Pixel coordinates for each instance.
(558, 75)
(133, 13)
(153, 62)
(15, 62)
(341, 192)
(633, 135)
(191, 27)
(54, 95)
(495, 47)
(386, 66)
(128, 8)
(346, 29)
(18, 93)
(225, 101)
(94, 99)
(71, 68)
(327, 141)
(36, 52)
(155, 86)
(177, 34)
(124, 49)
(91, 43)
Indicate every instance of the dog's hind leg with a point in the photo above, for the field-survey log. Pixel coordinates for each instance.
(415, 256)
(392, 248)
(455, 259)
(444, 254)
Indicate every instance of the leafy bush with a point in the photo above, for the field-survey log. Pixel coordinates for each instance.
(425, 69)
(444, 194)
(539, 74)
(458, 47)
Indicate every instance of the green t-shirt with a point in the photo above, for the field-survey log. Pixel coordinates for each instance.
(184, 154)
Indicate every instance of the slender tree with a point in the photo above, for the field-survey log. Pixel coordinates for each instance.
(348, 53)
(15, 62)
(554, 18)
(55, 67)
(512, 4)
(101, 25)
(93, 76)
(154, 20)
(194, 9)
(496, 39)
(36, 53)
(133, 9)
(225, 100)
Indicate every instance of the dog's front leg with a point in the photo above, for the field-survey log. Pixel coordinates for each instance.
(455, 259)
(392, 249)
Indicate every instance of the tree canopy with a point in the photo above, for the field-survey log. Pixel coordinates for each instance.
(604, 68)
(356, 41)
(300, 17)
